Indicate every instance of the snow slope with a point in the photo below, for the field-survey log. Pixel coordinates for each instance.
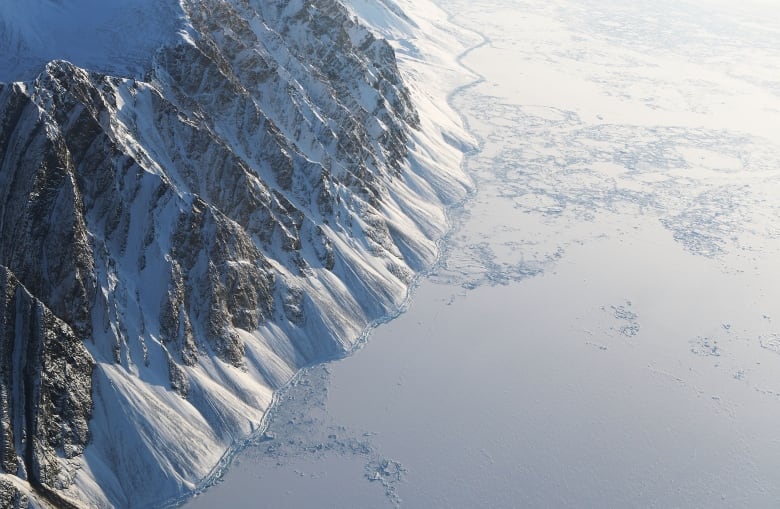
(116, 37)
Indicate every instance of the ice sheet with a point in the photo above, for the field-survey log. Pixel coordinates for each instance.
(602, 330)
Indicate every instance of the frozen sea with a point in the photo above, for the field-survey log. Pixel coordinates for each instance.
(603, 329)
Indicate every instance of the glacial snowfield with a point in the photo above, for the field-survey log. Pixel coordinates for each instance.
(117, 38)
(602, 329)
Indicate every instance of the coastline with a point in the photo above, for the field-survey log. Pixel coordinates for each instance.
(466, 144)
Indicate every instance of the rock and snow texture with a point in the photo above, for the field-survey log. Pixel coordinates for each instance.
(182, 229)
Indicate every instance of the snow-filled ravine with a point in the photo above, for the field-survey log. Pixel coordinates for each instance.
(603, 329)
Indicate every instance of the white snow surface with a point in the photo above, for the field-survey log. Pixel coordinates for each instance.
(118, 37)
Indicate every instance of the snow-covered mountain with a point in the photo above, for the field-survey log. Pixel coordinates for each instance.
(197, 198)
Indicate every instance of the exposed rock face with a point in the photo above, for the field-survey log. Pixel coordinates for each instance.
(46, 375)
(194, 238)
(11, 496)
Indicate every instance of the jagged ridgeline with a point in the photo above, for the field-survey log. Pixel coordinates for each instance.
(173, 247)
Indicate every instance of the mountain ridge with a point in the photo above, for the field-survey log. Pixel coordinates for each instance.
(264, 192)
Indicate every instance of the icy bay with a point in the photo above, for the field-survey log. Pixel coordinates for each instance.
(603, 327)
